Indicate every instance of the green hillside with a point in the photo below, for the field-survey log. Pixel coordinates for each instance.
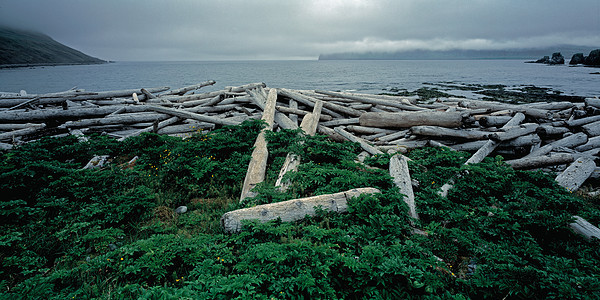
(19, 47)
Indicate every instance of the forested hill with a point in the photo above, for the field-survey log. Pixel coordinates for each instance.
(20, 47)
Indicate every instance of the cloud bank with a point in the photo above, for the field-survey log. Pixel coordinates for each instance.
(296, 29)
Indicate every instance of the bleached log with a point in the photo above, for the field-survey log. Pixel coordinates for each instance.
(497, 106)
(7, 136)
(246, 87)
(576, 174)
(409, 143)
(582, 121)
(96, 162)
(373, 101)
(258, 162)
(548, 130)
(259, 96)
(292, 210)
(299, 112)
(409, 119)
(148, 94)
(552, 105)
(5, 146)
(393, 136)
(160, 125)
(293, 104)
(131, 118)
(60, 114)
(443, 132)
(494, 121)
(591, 144)
(363, 144)
(334, 136)
(186, 89)
(540, 161)
(191, 115)
(594, 102)
(512, 132)
(338, 122)
(491, 144)
(568, 142)
(585, 228)
(292, 161)
(307, 100)
(369, 130)
(9, 127)
(399, 171)
(592, 129)
(185, 128)
(522, 141)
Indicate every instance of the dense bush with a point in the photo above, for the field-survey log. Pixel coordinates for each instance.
(112, 233)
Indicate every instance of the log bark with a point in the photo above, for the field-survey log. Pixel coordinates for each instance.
(363, 144)
(591, 144)
(582, 121)
(549, 130)
(442, 132)
(373, 101)
(399, 172)
(585, 228)
(191, 115)
(369, 130)
(540, 161)
(576, 174)
(494, 121)
(291, 210)
(592, 129)
(409, 119)
(568, 142)
(258, 162)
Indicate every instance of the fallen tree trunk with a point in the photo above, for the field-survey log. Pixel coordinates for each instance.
(497, 106)
(191, 115)
(372, 100)
(576, 174)
(585, 228)
(592, 129)
(540, 161)
(58, 114)
(568, 142)
(291, 210)
(442, 132)
(409, 119)
(258, 163)
(309, 101)
(7, 136)
(591, 144)
(372, 150)
(510, 133)
(399, 172)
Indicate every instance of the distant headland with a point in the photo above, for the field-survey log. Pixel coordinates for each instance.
(22, 48)
(456, 54)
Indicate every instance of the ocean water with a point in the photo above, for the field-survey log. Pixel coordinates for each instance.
(360, 76)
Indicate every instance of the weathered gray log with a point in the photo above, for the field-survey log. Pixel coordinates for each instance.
(23, 104)
(307, 100)
(116, 119)
(522, 141)
(299, 112)
(443, 132)
(540, 161)
(576, 174)
(191, 115)
(494, 121)
(293, 104)
(399, 171)
(9, 127)
(292, 210)
(591, 144)
(549, 130)
(185, 128)
(551, 105)
(363, 144)
(390, 137)
(369, 130)
(186, 89)
(582, 121)
(592, 129)
(245, 87)
(5, 146)
(409, 143)
(309, 125)
(160, 125)
(334, 136)
(7, 136)
(490, 145)
(594, 102)
(497, 106)
(374, 101)
(258, 95)
(568, 142)
(512, 132)
(409, 119)
(148, 94)
(338, 122)
(585, 228)
(258, 162)
(58, 114)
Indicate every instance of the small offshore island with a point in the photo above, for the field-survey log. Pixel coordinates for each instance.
(22, 48)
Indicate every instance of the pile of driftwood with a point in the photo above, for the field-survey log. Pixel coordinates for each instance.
(560, 137)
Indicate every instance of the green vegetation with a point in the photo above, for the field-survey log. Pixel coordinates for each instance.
(68, 233)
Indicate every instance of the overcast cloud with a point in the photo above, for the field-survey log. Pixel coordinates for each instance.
(300, 29)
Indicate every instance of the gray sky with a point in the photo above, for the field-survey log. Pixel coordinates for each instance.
(300, 29)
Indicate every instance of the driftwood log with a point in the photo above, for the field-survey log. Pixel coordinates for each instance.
(292, 210)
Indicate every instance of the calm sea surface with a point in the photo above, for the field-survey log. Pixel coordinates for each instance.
(361, 76)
